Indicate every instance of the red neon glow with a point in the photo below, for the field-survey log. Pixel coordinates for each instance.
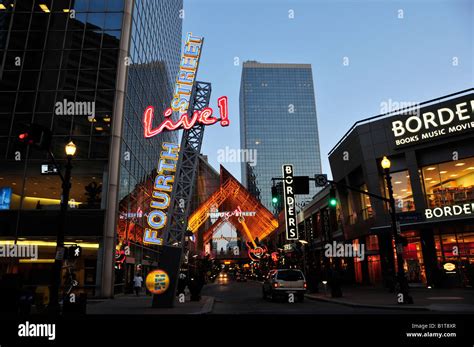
(22, 136)
(224, 111)
(202, 117)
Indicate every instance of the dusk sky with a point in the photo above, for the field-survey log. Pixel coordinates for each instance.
(425, 54)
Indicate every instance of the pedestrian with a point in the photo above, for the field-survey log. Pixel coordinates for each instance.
(137, 283)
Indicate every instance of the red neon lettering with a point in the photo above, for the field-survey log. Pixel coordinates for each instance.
(203, 117)
(224, 111)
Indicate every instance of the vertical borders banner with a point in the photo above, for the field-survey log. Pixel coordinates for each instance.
(289, 201)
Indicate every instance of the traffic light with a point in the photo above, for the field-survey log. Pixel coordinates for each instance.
(36, 135)
(275, 195)
(332, 198)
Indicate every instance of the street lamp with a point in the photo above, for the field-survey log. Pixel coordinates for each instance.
(402, 281)
(70, 150)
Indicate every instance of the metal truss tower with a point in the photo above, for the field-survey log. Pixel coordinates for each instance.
(179, 209)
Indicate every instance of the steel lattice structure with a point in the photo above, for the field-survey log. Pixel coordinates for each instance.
(186, 170)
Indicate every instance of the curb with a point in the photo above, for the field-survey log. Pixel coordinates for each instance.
(390, 307)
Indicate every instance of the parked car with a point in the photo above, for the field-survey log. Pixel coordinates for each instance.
(280, 283)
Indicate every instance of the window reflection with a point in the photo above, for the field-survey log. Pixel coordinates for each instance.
(402, 191)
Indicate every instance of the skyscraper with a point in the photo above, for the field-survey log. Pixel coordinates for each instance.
(278, 120)
(85, 69)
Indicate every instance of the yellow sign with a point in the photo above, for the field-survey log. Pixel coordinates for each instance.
(157, 281)
(449, 266)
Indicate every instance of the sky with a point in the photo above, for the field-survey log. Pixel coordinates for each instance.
(363, 53)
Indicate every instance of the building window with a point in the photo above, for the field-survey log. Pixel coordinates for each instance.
(366, 206)
(402, 191)
(449, 183)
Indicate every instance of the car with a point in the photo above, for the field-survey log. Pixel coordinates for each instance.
(282, 282)
(241, 277)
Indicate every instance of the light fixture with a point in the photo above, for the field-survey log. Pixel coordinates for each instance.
(99, 128)
(428, 179)
(453, 175)
(70, 149)
(44, 8)
(470, 168)
(404, 190)
(398, 182)
(430, 168)
(66, 10)
(443, 172)
(107, 119)
(460, 164)
(385, 163)
(2, 7)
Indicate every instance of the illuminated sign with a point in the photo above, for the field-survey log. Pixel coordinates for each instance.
(203, 117)
(275, 257)
(227, 214)
(449, 267)
(289, 202)
(187, 73)
(257, 253)
(157, 282)
(160, 199)
(440, 122)
(5, 198)
(182, 96)
(449, 211)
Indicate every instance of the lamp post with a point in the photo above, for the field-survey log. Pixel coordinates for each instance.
(402, 281)
(70, 150)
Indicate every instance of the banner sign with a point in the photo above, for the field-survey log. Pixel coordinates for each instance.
(289, 202)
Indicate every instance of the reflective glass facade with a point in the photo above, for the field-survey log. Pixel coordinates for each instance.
(278, 120)
(59, 67)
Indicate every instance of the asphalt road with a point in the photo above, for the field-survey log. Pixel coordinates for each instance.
(233, 297)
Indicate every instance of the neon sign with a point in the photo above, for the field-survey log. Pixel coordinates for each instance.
(257, 253)
(227, 214)
(182, 96)
(187, 73)
(157, 218)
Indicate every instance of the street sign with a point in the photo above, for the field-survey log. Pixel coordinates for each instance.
(301, 184)
(49, 169)
(321, 180)
(289, 202)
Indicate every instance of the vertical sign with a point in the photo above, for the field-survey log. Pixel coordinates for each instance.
(289, 201)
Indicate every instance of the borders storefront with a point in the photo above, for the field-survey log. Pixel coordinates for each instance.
(431, 150)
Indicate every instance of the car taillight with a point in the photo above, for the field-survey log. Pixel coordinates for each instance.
(275, 285)
(304, 285)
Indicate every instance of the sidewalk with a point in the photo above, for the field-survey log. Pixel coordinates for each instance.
(445, 300)
(131, 304)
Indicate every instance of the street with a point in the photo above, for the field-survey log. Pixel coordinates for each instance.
(231, 297)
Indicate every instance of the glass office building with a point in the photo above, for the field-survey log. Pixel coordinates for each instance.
(85, 69)
(278, 121)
